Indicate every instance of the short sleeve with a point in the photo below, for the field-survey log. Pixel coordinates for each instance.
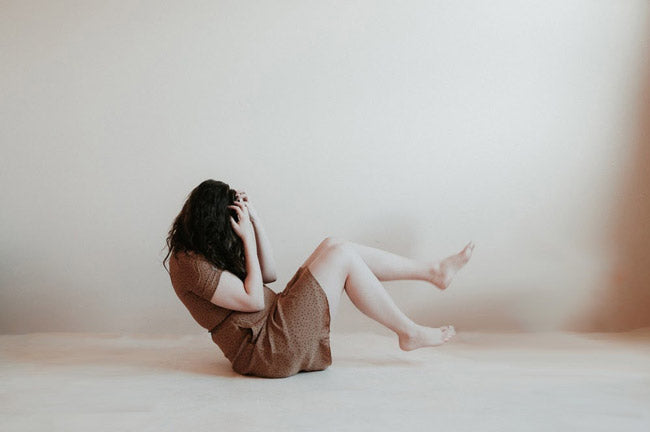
(208, 279)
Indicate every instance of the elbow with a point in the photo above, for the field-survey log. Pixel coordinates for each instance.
(256, 304)
(259, 306)
(252, 305)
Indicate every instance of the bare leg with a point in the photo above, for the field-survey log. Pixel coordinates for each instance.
(338, 266)
(388, 266)
(325, 244)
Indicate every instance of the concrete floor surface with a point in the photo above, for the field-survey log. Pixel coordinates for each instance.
(481, 381)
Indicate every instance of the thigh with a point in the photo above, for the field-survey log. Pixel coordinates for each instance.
(330, 269)
(322, 247)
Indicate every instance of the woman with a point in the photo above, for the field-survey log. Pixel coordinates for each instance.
(221, 261)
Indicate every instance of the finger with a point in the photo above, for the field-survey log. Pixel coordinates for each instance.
(242, 211)
(238, 203)
(237, 209)
(235, 226)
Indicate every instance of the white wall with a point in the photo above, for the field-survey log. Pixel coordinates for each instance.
(411, 126)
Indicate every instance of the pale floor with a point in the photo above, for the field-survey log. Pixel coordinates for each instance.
(480, 382)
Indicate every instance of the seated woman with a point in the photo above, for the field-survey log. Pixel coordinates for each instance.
(219, 268)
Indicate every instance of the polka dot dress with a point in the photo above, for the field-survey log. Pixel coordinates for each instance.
(291, 334)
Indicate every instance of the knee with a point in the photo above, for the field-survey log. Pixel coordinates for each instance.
(338, 246)
(332, 241)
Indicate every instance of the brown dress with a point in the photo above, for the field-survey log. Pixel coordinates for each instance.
(291, 334)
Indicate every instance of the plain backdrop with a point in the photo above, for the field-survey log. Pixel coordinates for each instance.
(410, 126)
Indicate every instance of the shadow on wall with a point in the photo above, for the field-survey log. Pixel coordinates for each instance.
(624, 301)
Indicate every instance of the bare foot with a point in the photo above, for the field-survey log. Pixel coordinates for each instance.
(442, 272)
(426, 337)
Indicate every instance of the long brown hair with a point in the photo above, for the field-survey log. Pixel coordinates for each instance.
(203, 226)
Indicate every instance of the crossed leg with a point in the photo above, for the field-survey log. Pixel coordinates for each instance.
(340, 265)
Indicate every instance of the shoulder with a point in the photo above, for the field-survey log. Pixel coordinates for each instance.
(185, 256)
(198, 263)
(195, 262)
(186, 261)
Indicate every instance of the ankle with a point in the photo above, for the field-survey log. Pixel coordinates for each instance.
(409, 339)
(409, 332)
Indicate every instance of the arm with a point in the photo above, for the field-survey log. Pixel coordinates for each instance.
(253, 281)
(226, 289)
(264, 252)
(233, 294)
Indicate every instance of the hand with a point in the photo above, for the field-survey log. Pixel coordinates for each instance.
(243, 197)
(244, 227)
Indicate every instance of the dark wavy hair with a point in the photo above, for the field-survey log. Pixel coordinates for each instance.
(204, 226)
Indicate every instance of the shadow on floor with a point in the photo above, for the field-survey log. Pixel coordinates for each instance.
(146, 352)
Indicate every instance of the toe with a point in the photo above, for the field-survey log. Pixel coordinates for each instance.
(448, 332)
